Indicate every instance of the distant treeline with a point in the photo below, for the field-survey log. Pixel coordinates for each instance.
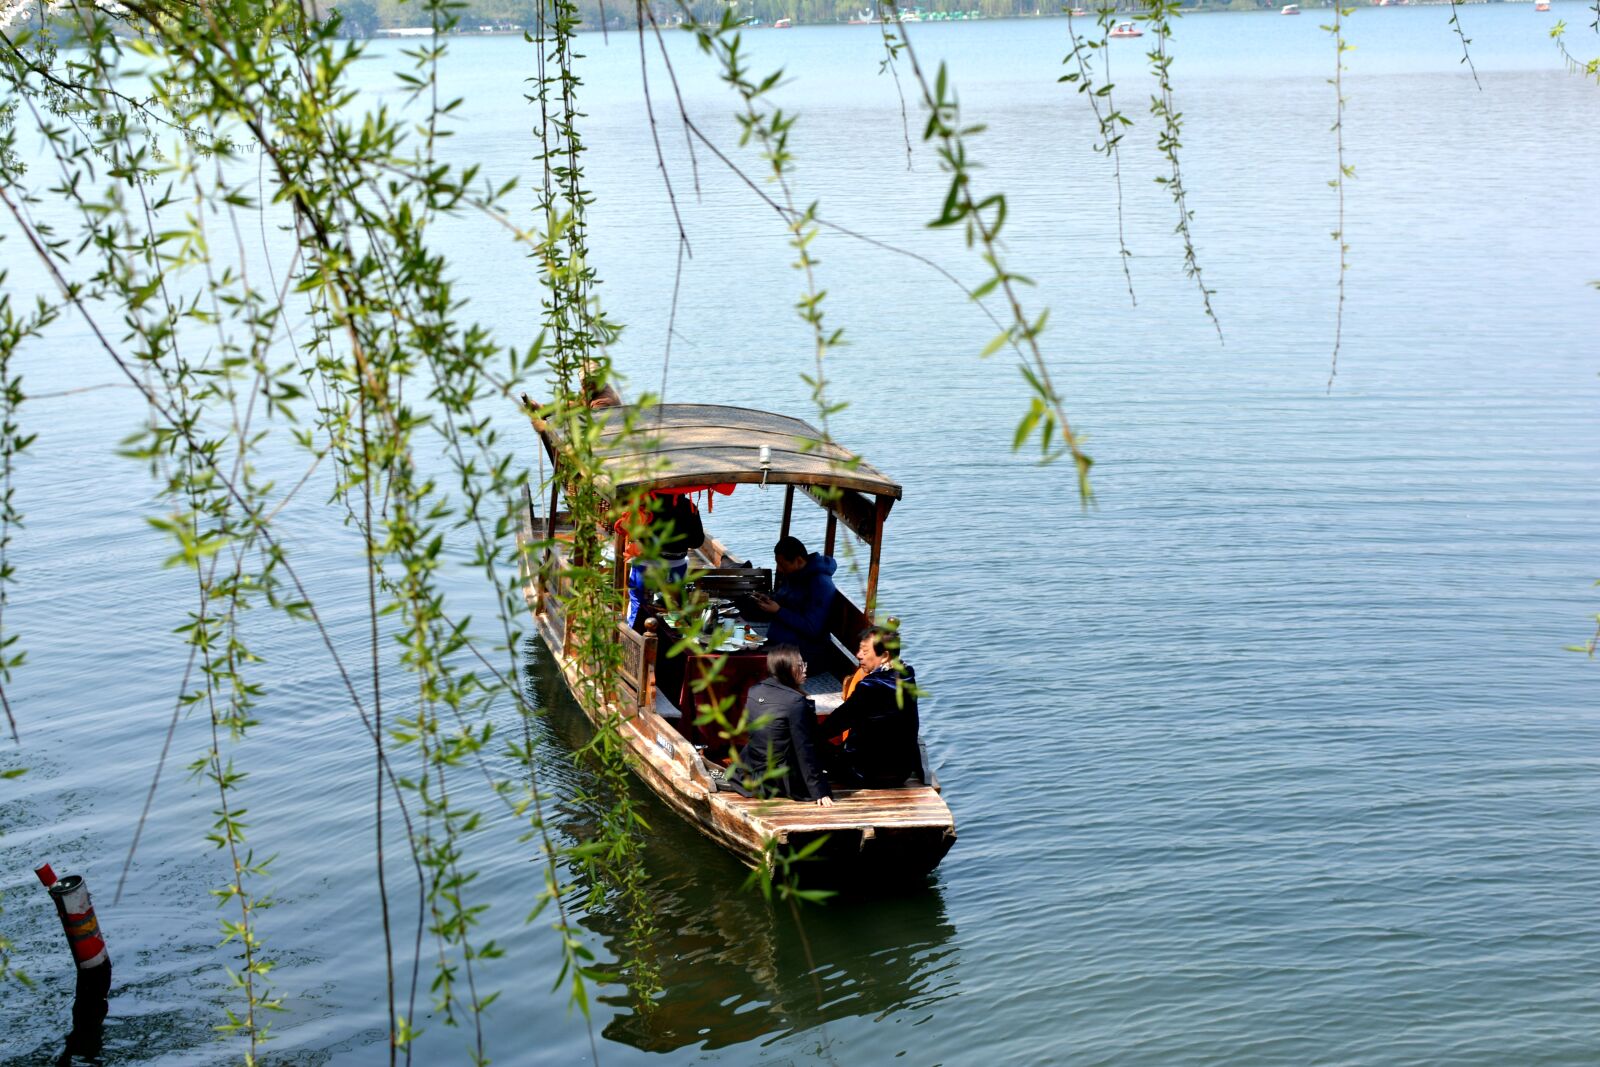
(363, 17)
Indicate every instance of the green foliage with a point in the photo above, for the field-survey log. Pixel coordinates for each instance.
(1588, 68)
(1344, 172)
(146, 260)
(982, 220)
(1158, 16)
(361, 189)
(1111, 122)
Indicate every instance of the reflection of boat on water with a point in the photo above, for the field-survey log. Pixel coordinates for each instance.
(731, 968)
(900, 832)
(1125, 29)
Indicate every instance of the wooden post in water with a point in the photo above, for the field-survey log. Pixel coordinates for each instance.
(88, 945)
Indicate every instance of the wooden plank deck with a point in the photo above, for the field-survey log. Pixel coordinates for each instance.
(852, 809)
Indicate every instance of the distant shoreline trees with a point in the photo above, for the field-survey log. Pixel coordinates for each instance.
(365, 17)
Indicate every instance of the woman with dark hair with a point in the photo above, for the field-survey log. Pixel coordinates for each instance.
(780, 758)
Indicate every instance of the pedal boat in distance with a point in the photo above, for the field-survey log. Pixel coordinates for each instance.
(870, 838)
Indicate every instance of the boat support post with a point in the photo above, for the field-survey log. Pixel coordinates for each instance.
(880, 513)
(619, 570)
(547, 557)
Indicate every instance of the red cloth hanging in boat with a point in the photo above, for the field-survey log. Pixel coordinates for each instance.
(725, 488)
(631, 549)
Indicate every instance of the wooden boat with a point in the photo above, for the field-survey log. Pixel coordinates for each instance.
(871, 835)
(1125, 29)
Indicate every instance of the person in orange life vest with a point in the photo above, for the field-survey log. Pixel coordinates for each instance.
(878, 720)
(674, 519)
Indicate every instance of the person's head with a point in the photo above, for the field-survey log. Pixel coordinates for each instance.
(786, 665)
(877, 647)
(790, 555)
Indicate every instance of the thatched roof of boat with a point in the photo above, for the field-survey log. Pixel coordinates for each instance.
(671, 446)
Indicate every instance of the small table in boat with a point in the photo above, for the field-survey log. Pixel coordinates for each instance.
(736, 665)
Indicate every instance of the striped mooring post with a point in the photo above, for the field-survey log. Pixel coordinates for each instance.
(88, 944)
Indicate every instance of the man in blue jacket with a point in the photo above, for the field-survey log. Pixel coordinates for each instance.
(802, 596)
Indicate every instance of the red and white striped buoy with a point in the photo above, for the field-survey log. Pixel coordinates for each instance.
(88, 944)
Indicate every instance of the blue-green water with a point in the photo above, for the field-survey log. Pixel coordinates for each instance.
(1272, 756)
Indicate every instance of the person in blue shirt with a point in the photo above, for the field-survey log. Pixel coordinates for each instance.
(802, 596)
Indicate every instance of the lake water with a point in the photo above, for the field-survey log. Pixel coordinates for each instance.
(1272, 756)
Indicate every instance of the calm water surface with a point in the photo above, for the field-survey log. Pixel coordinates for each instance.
(1273, 756)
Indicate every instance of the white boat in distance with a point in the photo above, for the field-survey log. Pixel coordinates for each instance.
(1125, 29)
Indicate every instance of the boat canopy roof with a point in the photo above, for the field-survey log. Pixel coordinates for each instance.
(674, 446)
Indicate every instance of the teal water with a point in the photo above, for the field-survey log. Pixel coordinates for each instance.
(1272, 756)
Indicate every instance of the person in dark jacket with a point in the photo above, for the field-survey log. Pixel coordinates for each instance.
(780, 758)
(880, 716)
(802, 597)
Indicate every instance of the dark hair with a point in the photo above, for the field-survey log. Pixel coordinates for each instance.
(784, 663)
(789, 548)
(885, 642)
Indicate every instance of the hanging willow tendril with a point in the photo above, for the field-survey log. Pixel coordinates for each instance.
(380, 313)
(1588, 68)
(576, 336)
(14, 329)
(891, 52)
(983, 221)
(1346, 171)
(1466, 42)
(1111, 122)
(1159, 14)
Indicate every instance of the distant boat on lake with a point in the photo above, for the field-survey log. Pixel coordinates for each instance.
(1541, 5)
(1125, 29)
(783, 24)
(1290, 9)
